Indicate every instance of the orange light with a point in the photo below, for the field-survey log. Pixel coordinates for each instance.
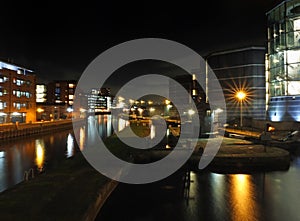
(270, 128)
(241, 95)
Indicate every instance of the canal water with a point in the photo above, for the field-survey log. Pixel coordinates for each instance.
(47, 151)
(209, 196)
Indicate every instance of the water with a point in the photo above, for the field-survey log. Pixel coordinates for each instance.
(211, 196)
(47, 151)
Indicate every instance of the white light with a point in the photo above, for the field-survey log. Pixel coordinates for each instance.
(69, 109)
(293, 56)
(191, 112)
(16, 114)
(296, 24)
(218, 110)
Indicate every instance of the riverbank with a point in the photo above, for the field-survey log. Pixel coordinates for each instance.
(68, 193)
(11, 131)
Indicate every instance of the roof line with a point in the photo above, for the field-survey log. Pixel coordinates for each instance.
(283, 2)
(235, 50)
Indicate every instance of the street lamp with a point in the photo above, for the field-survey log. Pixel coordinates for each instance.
(241, 96)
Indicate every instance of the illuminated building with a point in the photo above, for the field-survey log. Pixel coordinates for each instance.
(17, 94)
(61, 92)
(241, 69)
(41, 93)
(283, 62)
(100, 100)
(55, 100)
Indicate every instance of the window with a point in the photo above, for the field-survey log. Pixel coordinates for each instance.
(17, 106)
(2, 105)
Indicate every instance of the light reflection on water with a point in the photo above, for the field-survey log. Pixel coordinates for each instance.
(81, 137)
(70, 146)
(42, 152)
(228, 197)
(39, 154)
(242, 198)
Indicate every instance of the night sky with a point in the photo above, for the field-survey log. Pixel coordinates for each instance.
(59, 41)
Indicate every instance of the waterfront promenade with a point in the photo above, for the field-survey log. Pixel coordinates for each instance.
(15, 130)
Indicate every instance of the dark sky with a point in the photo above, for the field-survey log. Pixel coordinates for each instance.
(58, 41)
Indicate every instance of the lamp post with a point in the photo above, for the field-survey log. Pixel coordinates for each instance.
(241, 95)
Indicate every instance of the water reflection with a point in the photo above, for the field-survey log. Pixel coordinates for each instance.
(70, 146)
(39, 154)
(43, 152)
(81, 138)
(242, 200)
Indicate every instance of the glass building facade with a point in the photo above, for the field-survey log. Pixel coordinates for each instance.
(283, 62)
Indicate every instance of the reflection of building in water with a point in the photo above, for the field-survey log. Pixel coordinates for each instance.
(100, 100)
(283, 62)
(70, 146)
(17, 94)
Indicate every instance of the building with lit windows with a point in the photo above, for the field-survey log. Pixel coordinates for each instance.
(41, 93)
(17, 94)
(241, 71)
(99, 101)
(55, 100)
(61, 92)
(283, 62)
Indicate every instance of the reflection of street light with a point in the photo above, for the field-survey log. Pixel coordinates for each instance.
(241, 96)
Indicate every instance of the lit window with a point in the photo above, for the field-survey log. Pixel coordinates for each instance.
(194, 92)
(71, 97)
(2, 105)
(297, 24)
(293, 56)
(71, 85)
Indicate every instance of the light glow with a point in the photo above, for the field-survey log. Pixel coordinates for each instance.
(40, 154)
(241, 95)
(191, 112)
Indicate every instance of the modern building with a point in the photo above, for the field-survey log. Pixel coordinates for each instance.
(41, 93)
(283, 62)
(241, 74)
(17, 94)
(61, 92)
(99, 101)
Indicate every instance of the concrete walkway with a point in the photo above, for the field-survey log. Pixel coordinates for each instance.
(237, 155)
